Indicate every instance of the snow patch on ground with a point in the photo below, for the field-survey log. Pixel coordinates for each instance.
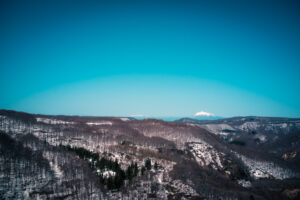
(53, 162)
(52, 121)
(223, 133)
(180, 187)
(108, 173)
(249, 126)
(125, 119)
(206, 155)
(244, 183)
(263, 169)
(160, 177)
(262, 138)
(99, 123)
(57, 172)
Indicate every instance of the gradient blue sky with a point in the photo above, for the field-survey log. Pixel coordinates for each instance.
(152, 58)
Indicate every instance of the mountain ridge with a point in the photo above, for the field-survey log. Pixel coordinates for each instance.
(193, 160)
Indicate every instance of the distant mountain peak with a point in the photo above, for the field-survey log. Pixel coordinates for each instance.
(204, 114)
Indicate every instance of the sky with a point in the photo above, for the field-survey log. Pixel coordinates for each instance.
(151, 58)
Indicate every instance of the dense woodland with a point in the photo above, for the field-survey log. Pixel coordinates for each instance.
(61, 157)
(98, 165)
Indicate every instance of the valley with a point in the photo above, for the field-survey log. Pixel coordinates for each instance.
(76, 157)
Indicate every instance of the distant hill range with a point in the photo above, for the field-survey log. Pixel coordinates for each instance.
(81, 157)
(179, 119)
(274, 135)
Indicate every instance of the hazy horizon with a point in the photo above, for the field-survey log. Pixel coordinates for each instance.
(151, 58)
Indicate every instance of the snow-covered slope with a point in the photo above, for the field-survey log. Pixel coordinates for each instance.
(188, 161)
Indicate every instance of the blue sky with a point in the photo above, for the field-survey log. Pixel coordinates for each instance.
(152, 58)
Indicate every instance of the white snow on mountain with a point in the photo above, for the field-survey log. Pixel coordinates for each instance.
(108, 173)
(125, 119)
(203, 113)
(264, 169)
(249, 126)
(99, 123)
(52, 121)
(244, 183)
(206, 155)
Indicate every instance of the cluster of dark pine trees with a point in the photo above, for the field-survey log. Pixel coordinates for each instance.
(112, 182)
